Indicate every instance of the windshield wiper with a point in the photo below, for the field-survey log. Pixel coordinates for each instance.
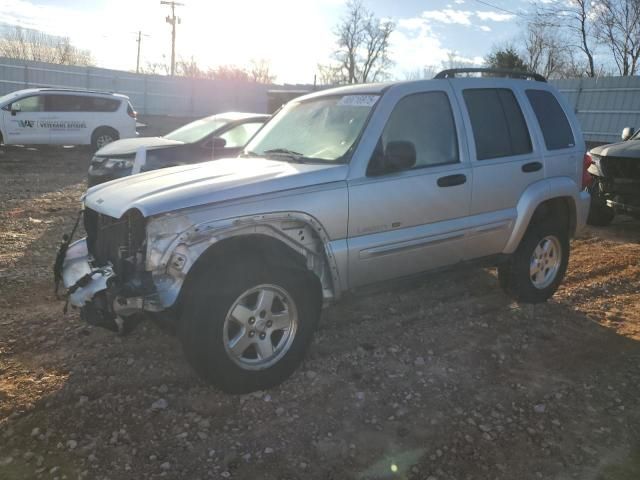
(293, 155)
(248, 153)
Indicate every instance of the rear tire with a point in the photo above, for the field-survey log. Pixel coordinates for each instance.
(537, 267)
(247, 351)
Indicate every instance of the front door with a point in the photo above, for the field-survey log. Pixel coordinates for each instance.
(411, 221)
(26, 121)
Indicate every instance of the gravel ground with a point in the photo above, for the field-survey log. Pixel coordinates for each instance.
(442, 378)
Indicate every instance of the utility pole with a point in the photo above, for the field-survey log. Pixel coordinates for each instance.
(139, 36)
(172, 20)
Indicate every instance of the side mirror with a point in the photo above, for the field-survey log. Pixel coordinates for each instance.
(399, 155)
(218, 142)
(15, 108)
(627, 133)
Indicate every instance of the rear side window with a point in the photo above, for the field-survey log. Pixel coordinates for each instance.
(553, 122)
(499, 129)
(79, 103)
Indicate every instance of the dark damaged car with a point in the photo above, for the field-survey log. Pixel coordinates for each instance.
(615, 169)
(218, 136)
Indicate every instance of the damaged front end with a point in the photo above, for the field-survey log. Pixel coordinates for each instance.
(617, 183)
(104, 273)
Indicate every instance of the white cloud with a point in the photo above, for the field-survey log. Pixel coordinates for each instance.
(413, 49)
(458, 2)
(495, 16)
(458, 17)
(449, 16)
(485, 28)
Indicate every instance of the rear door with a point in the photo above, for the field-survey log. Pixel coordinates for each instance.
(505, 158)
(75, 117)
(401, 223)
(68, 122)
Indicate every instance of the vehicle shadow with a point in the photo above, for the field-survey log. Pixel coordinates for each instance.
(622, 229)
(441, 376)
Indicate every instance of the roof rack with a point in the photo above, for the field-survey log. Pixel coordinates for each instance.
(494, 72)
(71, 89)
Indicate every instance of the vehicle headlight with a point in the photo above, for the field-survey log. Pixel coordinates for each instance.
(118, 163)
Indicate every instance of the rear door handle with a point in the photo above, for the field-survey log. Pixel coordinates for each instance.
(531, 167)
(452, 180)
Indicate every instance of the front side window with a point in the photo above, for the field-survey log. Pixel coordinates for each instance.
(426, 121)
(499, 128)
(323, 129)
(239, 135)
(30, 104)
(553, 122)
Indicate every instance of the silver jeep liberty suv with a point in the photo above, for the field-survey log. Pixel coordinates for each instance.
(341, 188)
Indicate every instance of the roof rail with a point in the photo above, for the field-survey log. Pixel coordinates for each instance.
(71, 89)
(494, 72)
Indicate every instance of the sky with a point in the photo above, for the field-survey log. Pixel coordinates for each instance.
(294, 35)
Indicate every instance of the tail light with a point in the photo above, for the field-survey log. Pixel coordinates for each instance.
(587, 179)
(131, 112)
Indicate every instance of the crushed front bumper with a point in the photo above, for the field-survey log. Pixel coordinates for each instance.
(94, 291)
(81, 280)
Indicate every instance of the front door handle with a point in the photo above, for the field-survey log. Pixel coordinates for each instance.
(531, 167)
(452, 180)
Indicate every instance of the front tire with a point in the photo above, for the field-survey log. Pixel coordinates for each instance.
(600, 214)
(250, 330)
(537, 267)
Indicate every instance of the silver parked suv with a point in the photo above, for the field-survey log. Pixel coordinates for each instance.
(340, 189)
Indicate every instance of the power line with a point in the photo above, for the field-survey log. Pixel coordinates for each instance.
(499, 8)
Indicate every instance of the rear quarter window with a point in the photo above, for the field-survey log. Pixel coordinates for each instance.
(553, 122)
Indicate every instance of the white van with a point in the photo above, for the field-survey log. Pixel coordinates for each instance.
(54, 116)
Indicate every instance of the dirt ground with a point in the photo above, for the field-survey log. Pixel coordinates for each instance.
(444, 378)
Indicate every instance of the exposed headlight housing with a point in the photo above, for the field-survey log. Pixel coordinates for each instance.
(118, 163)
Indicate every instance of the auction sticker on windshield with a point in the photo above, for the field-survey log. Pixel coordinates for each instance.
(358, 100)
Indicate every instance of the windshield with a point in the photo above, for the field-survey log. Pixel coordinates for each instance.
(195, 131)
(322, 129)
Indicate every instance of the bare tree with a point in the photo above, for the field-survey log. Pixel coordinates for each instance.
(363, 45)
(545, 52)
(228, 72)
(426, 72)
(330, 75)
(156, 68)
(619, 32)
(576, 19)
(260, 71)
(188, 68)
(26, 44)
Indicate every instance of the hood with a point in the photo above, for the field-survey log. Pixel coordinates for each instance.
(129, 146)
(628, 149)
(185, 186)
